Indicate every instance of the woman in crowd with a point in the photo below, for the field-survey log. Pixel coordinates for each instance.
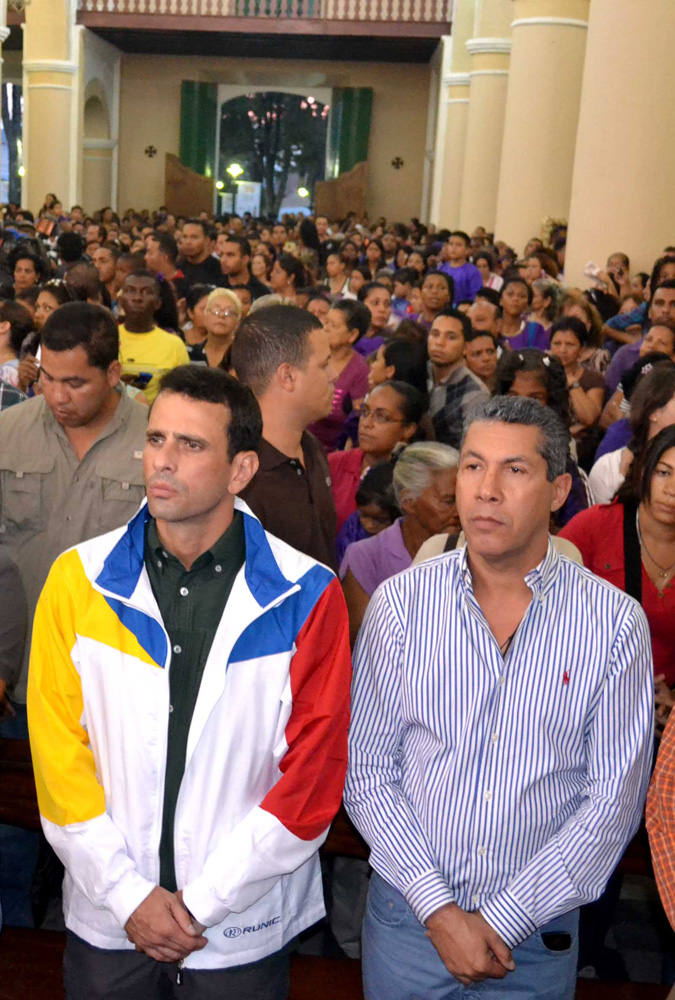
(402, 361)
(54, 293)
(389, 417)
(538, 376)
(517, 332)
(222, 314)
(593, 356)
(27, 267)
(416, 260)
(374, 258)
(659, 339)
(337, 281)
(376, 508)
(16, 325)
(546, 296)
(345, 324)
(194, 331)
(260, 267)
(425, 476)
(377, 298)
(586, 388)
(358, 276)
(318, 304)
(486, 264)
(652, 407)
(436, 294)
(287, 276)
(631, 544)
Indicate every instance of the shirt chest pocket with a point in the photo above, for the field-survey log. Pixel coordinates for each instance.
(23, 486)
(121, 490)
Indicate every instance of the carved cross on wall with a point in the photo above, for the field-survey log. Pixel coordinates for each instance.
(150, 151)
(397, 163)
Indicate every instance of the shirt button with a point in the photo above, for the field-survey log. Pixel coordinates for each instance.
(159, 563)
(218, 569)
(299, 472)
(475, 900)
(178, 649)
(488, 796)
(502, 681)
(164, 554)
(482, 852)
(184, 591)
(495, 737)
(170, 709)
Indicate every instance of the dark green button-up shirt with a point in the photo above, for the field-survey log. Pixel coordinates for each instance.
(191, 603)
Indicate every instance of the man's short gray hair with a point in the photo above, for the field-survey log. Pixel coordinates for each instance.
(555, 439)
(418, 464)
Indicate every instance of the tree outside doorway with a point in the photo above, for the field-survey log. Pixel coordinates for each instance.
(273, 135)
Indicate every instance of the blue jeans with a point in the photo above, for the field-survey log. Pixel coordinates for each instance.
(400, 963)
(18, 848)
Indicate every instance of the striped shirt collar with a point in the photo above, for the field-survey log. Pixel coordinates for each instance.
(539, 580)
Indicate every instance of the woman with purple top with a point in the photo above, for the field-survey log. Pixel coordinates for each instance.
(377, 298)
(345, 324)
(425, 475)
(517, 333)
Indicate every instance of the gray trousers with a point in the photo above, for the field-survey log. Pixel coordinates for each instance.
(98, 974)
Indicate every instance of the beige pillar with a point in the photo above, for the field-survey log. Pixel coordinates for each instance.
(50, 91)
(489, 51)
(453, 114)
(623, 197)
(4, 31)
(542, 114)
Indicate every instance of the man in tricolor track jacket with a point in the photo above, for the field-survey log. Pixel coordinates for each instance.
(265, 750)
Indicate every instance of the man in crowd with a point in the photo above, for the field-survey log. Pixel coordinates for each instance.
(146, 351)
(197, 263)
(235, 258)
(661, 308)
(480, 353)
(105, 261)
(453, 387)
(496, 771)
(190, 753)
(161, 254)
(485, 314)
(282, 353)
(279, 236)
(465, 275)
(70, 463)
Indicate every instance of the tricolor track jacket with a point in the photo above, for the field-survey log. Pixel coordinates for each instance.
(266, 754)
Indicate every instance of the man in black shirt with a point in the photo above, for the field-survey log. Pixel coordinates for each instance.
(235, 257)
(282, 353)
(197, 263)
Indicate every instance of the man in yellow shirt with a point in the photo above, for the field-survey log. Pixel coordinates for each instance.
(146, 351)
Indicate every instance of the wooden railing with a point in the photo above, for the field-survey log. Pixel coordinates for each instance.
(420, 11)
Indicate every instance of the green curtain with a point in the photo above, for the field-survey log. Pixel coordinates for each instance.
(349, 132)
(198, 109)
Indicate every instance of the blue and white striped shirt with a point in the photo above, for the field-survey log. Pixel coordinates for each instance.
(510, 785)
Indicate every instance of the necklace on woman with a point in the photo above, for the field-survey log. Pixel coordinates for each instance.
(664, 571)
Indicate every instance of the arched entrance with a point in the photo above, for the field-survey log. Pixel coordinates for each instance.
(97, 149)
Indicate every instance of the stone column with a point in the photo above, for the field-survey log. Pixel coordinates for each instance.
(452, 118)
(623, 197)
(542, 114)
(50, 91)
(489, 50)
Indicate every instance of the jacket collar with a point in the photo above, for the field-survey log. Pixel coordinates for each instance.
(124, 563)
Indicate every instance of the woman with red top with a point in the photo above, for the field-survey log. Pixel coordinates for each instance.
(631, 543)
(388, 417)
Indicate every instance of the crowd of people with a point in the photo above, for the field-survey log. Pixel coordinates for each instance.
(414, 443)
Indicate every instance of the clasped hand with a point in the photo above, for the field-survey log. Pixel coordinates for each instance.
(469, 948)
(162, 927)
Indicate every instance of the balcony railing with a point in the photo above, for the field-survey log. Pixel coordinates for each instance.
(419, 11)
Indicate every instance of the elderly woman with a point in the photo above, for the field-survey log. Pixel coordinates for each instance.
(222, 313)
(424, 485)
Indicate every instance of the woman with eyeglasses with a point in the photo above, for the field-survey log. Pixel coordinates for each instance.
(221, 315)
(389, 417)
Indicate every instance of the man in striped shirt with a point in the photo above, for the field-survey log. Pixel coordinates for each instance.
(501, 735)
